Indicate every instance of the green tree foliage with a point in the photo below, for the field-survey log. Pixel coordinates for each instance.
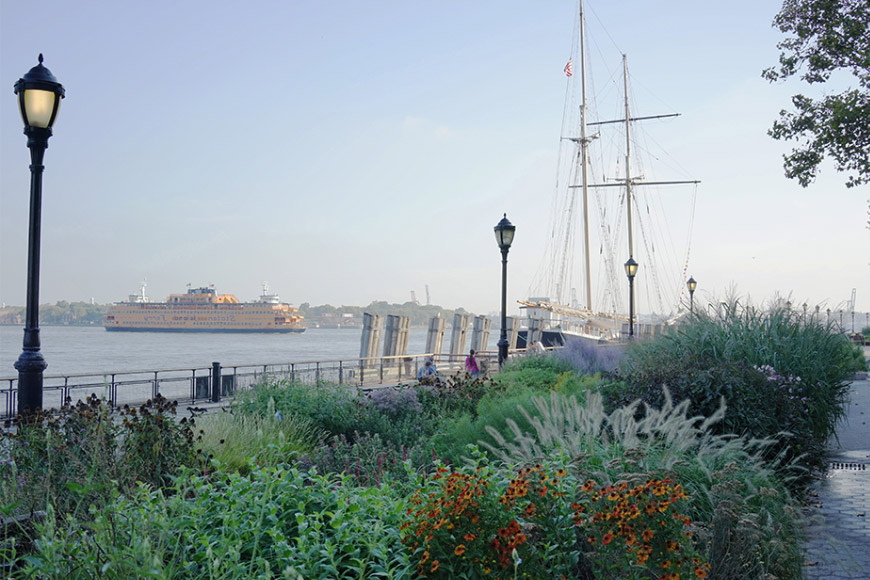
(419, 314)
(825, 38)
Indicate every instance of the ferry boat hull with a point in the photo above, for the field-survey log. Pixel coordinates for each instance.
(222, 330)
(203, 310)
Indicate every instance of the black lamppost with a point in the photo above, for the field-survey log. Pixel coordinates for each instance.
(631, 271)
(691, 285)
(504, 235)
(39, 96)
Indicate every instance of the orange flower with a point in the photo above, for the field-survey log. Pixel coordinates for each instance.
(647, 535)
(608, 537)
(459, 550)
(561, 473)
(700, 572)
(434, 567)
(588, 486)
(469, 537)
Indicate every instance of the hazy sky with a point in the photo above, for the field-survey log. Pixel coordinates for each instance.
(347, 152)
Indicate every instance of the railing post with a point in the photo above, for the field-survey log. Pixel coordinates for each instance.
(113, 392)
(340, 373)
(193, 385)
(215, 382)
(317, 373)
(10, 399)
(155, 387)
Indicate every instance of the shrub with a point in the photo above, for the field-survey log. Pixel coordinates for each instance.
(480, 521)
(396, 415)
(710, 358)
(80, 456)
(483, 520)
(744, 520)
(238, 440)
(494, 410)
(333, 409)
(271, 523)
(370, 460)
(588, 358)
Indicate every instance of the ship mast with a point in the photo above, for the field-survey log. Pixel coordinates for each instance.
(584, 143)
(627, 159)
(628, 182)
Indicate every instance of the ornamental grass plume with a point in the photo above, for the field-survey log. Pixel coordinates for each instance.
(744, 521)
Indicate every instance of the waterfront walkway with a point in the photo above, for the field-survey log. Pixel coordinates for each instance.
(839, 535)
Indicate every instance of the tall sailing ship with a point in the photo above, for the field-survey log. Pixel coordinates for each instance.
(203, 310)
(614, 192)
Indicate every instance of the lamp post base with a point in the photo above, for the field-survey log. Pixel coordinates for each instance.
(30, 366)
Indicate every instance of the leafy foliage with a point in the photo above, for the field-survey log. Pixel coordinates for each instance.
(744, 519)
(726, 357)
(237, 440)
(827, 36)
(271, 523)
(80, 456)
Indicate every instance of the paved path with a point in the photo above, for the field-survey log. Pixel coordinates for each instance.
(839, 545)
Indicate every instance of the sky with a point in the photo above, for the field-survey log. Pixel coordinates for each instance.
(347, 152)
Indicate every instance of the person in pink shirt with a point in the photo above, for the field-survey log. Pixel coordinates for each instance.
(471, 365)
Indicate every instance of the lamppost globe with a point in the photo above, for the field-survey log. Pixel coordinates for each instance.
(691, 285)
(504, 236)
(39, 95)
(631, 271)
(504, 233)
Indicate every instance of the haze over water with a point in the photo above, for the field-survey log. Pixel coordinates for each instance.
(88, 349)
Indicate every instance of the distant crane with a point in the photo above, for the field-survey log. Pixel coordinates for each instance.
(852, 309)
(427, 295)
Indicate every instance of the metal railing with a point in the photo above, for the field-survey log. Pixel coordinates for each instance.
(195, 384)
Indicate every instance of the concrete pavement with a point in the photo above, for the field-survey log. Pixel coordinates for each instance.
(839, 535)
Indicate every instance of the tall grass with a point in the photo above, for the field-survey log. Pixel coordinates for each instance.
(239, 440)
(744, 519)
(779, 372)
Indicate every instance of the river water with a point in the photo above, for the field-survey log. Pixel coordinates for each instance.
(88, 349)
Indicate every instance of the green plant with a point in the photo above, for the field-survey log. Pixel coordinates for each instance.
(153, 444)
(494, 409)
(636, 532)
(744, 520)
(238, 440)
(714, 357)
(65, 459)
(80, 455)
(484, 521)
(333, 409)
(271, 523)
(370, 460)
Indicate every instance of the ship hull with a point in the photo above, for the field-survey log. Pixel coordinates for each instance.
(213, 330)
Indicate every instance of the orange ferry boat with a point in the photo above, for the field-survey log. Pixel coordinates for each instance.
(203, 310)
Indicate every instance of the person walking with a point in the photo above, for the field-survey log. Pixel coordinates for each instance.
(471, 364)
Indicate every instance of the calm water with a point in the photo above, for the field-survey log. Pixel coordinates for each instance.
(84, 349)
